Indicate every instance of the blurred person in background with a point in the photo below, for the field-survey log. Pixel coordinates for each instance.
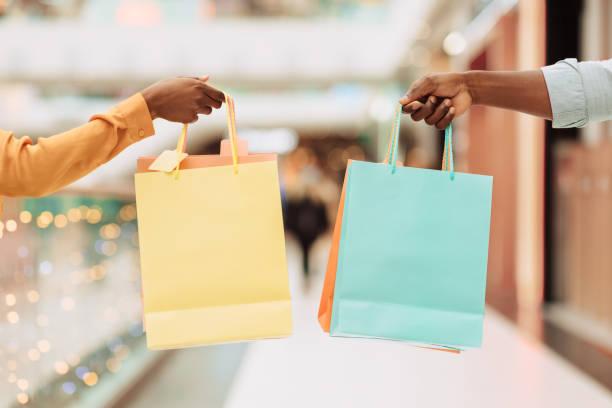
(570, 93)
(28, 169)
(305, 208)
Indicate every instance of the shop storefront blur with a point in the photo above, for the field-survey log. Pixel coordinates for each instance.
(549, 262)
(70, 290)
(578, 274)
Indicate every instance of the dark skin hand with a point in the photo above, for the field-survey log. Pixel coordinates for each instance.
(182, 99)
(439, 98)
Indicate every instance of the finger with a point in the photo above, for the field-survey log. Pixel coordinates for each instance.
(213, 92)
(204, 78)
(412, 107)
(206, 100)
(426, 110)
(439, 113)
(205, 110)
(193, 118)
(420, 88)
(447, 119)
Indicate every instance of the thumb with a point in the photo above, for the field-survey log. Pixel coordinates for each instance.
(419, 89)
(204, 78)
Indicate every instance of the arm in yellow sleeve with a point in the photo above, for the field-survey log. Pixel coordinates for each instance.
(39, 169)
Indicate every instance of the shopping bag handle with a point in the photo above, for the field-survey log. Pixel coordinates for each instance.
(448, 163)
(231, 130)
(181, 145)
(391, 156)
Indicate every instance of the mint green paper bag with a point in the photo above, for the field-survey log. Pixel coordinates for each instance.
(413, 253)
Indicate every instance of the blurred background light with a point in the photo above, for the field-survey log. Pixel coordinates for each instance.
(454, 43)
(381, 109)
(278, 141)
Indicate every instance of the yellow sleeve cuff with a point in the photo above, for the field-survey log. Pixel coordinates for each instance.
(137, 116)
(133, 113)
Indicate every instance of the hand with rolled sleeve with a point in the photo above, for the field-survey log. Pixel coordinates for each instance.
(570, 93)
(33, 170)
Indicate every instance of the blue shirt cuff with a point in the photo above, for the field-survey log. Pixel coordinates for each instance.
(566, 93)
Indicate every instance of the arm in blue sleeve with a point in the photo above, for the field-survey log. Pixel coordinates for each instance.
(580, 92)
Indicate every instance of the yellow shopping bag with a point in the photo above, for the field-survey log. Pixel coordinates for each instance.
(212, 246)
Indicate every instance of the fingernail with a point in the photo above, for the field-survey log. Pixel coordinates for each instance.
(432, 99)
(447, 102)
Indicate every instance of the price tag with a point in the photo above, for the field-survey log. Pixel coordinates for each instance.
(167, 161)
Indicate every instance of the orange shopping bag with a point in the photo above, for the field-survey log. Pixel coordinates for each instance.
(327, 295)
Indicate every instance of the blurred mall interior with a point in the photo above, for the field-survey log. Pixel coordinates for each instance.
(314, 81)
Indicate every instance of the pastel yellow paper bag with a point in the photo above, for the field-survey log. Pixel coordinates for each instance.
(212, 250)
(213, 255)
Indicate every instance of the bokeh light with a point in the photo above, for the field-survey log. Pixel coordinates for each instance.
(25, 217)
(90, 379)
(61, 367)
(12, 317)
(23, 398)
(23, 384)
(10, 299)
(34, 354)
(69, 387)
(43, 345)
(94, 215)
(74, 215)
(11, 225)
(61, 221)
(33, 296)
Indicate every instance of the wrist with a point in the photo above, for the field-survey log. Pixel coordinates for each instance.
(150, 100)
(471, 80)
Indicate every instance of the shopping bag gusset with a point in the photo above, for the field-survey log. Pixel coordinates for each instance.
(327, 294)
(212, 246)
(412, 253)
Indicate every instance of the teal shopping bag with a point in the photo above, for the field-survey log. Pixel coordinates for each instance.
(413, 251)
